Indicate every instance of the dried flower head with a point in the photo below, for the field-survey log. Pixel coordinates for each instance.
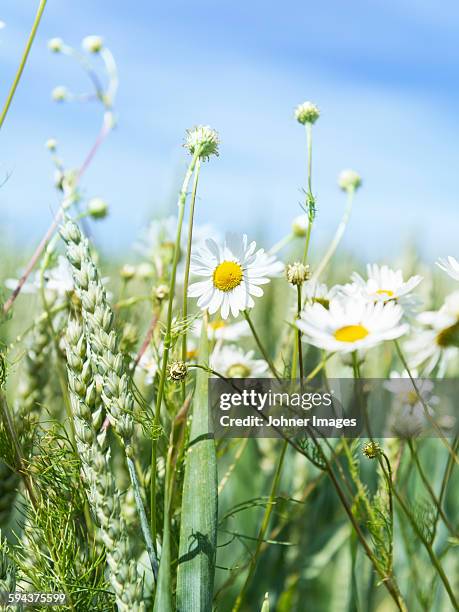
(297, 273)
(55, 45)
(178, 371)
(371, 450)
(97, 208)
(349, 180)
(202, 140)
(307, 113)
(92, 44)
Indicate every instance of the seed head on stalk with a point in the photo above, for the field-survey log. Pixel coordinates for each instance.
(94, 453)
(107, 360)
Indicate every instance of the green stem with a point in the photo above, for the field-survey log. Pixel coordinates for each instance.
(22, 63)
(433, 557)
(445, 480)
(298, 333)
(431, 492)
(260, 345)
(167, 337)
(142, 516)
(187, 268)
(263, 528)
(281, 244)
(337, 237)
(309, 195)
(389, 480)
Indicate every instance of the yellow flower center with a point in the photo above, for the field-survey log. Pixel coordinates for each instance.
(238, 370)
(217, 325)
(449, 336)
(323, 301)
(227, 275)
(351, 333)
(387, 292)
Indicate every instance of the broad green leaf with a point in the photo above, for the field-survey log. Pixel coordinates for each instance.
(198, 531)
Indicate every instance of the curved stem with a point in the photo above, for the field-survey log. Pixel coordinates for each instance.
(187, 267)
(260, 345)
(309, 196)
(281, 244)
(55, 222)
(22, 63)
(167, 337)
(263, 528)
(337, 237)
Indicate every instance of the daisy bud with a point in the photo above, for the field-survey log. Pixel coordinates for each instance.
(349, 180)
(307, 113)
(51, 144)
(127, 272)
(297, 273)
(60, 94)
(144, 271)
(161, 292)
(97, 208)
(203, 140)
(55, 45)
(92, 44)
(178, 371)
(300, 226)
(371, 450)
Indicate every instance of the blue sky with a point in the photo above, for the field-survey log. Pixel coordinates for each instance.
(384, 73)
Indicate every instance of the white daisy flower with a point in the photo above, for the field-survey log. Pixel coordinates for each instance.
(350, 324)
(234, 273)
(221, 330)
(315, 292)
(450, 265)
(232, 362)
(383, 284)
(438, 342)
(408, 417)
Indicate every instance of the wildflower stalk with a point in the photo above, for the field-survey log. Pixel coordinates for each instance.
(445, 480)
(337, 237)
(66, 202)
(187, 267)
(428, 546)
(429, 489)
(260, 344)
(108, 361)
(168, 336)
(310, 201)
(22, 63)
(388, 581)
(263, 528)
